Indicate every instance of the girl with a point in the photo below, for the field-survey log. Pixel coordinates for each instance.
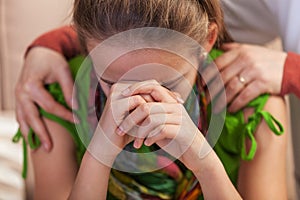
(58, 175)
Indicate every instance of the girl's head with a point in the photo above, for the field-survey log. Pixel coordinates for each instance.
(201, 20)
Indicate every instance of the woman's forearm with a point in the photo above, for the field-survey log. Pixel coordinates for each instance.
(92, 179)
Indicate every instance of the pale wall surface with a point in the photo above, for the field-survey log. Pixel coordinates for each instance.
(20, 23)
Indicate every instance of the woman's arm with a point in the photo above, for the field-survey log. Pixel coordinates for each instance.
(262, 70)
(55, 172)
(46, 63)
(63, 40)
(291, 75)
(264, 176)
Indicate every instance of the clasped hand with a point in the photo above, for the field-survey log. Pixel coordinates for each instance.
(146, 112)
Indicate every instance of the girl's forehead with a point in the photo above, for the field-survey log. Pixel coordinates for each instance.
(147, 64)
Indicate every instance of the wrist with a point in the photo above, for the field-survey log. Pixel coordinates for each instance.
(103, 150)
(195, 158)
(207, 165)
(90, 160)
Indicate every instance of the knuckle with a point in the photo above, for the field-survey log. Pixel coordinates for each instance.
(137, 99)
(163, 130)
(224, 75)
(155, 92)
(49, 107)
(126, 124)
(155, 120)
(154, 82)
(179, 108)
(231, 86)
(245, 57)
(28, 86)
(245, 95)
(148, 120)
(145, 108)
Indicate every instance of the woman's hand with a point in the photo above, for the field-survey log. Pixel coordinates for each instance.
(42, 66)
(164, 122)
(248, 71)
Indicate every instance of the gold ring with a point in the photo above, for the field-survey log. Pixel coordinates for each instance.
(242, 80)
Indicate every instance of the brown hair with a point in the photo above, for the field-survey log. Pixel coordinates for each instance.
(100, 19)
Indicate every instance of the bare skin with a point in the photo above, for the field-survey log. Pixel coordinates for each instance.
(247, 72)
(209, 170)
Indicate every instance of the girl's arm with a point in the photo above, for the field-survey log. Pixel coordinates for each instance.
(214, 180)
(92, 180)
(261, 178)
(264, 176)
(182, 139)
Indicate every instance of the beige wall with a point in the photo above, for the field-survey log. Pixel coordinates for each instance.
(20, 23)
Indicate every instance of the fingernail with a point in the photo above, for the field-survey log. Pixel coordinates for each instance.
(136, 144)
(126, 92)
(179, 100)
(147, 143)
(120, 132)
(46, 147)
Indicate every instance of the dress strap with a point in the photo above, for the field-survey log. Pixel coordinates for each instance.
(253, 122)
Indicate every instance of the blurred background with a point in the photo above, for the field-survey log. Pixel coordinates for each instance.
(20, 23)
